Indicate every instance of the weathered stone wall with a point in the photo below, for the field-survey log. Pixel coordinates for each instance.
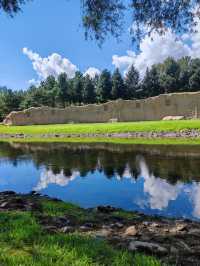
(155, 108)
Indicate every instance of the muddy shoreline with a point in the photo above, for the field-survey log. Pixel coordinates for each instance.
(182, 134)
(174, 241)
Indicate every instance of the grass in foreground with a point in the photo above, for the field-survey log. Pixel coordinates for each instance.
(103, 128)
(24, 242)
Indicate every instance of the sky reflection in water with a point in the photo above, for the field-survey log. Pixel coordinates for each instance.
(93, 177)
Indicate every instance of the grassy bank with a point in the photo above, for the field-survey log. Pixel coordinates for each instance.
(136, 141)
(103, 128)
(46, 133)
(24, 241)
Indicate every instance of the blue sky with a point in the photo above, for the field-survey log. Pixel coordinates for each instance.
(47, 27)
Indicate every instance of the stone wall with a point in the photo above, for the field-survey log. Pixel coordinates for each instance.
(155, 108)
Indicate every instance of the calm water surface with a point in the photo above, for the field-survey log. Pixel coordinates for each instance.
(158, 180)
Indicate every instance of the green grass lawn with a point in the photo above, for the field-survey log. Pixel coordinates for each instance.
(24, 242)
(146, 126)
(104, 128)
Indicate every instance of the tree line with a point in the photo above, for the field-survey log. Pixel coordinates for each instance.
(170, 76)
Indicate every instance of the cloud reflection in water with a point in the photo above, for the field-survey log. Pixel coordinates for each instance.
(48, 177)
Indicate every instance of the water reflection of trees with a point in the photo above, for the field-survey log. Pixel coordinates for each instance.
(113, 160)
(164, 172)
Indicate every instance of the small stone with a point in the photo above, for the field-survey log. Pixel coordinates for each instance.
(102, 233)
(4, 204)
(173, 250)
(130, 231)
(67, 229)
(178, 228)
(84, 228)
(90, 225)
(146, 246)
(51, 228)
(194, 232)
(61, 221)
(155, 225)
(118, 225)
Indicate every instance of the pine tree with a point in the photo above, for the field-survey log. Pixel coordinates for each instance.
(89, 95)
(104, 86)
(150, 84)
(118, 88)
(132, 82)
(194, 81)
(77, 88)
(63, 90)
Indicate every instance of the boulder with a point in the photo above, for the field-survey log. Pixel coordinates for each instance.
(175, 117)
(130, 231)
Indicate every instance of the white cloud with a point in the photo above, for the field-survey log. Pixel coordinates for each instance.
(92, 72)
(159, 190)
(48, 177)
(155, 49)
(195, 196)
(33, 82)
(125, 61)
(54, 65)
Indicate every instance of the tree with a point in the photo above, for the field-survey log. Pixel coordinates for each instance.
(194, 81)
(89, 95)
(118, 88)
(150, 84)
(104, 86)
(77, 88)
(48, 87)
(131, 81)
(103, 17)
(169, 75)
(185, 72)
(11, 6)
(34, 97)
(63, 89)
(9, 101)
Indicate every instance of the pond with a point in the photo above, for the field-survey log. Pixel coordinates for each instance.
(158, 180)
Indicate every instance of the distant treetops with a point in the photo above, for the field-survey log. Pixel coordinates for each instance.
(170, 76)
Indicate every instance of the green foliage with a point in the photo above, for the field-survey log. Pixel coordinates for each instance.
(104, 86)
(118, 88)
(103, 17)
(9, 101)
(132, 83)
(150, 84)
(62, 89)
(89, 94)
